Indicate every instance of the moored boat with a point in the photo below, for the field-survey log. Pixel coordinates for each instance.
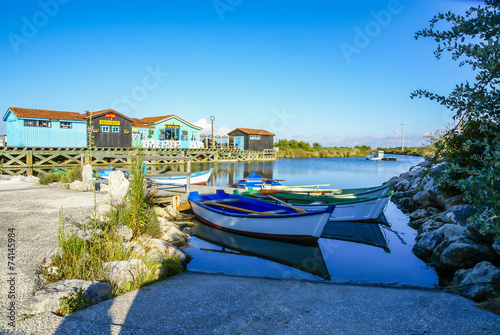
(197, 178)
(251, 217)
(346, 208)
(256, 181)
(363, 192)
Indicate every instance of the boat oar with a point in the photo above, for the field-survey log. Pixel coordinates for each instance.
(265, 179)
(296, 191)
(298, 210)
(235, 208)
(285, 187)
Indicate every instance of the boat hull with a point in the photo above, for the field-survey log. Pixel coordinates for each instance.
(366, 192)
(199, 178)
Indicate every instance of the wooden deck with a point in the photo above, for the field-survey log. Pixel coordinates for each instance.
(19, 160)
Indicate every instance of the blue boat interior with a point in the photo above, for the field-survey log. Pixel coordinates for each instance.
(253, 179)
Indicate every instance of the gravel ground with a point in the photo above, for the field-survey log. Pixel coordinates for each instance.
(195, 303)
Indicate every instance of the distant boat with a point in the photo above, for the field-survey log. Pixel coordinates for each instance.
(256, 181)
(380, 156)
(244, 216)
(197, 178)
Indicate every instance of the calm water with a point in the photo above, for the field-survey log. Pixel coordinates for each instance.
(331, 259)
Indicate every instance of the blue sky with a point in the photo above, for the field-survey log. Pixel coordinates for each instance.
(337, 73)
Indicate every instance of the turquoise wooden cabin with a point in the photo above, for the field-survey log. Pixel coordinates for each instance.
(172, 132)
(45, 128)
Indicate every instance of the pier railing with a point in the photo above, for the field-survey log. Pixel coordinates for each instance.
(18, 160)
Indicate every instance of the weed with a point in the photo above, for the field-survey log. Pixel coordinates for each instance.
(75, 302)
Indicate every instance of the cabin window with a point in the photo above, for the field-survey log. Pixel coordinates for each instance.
(184, 136)
(115, 129)
(45, 124)
(66, 125)
(30, 123)
(255, 137)
(193, 136)
(105, 129)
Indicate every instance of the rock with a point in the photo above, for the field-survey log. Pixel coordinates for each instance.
(416, 171)
(173, 235)
(135, 247)
(102, 187)
(496, 247)
(165, 223)
(457, 215)
(52, 270)
(118, 188)
(86, 234)
(427, 242)
(172, 211)
(483, 272)
(47, 300)
(430, 225)
(31, 179)
(454, 201)
(103, 210)
(76, 186)
(87, 178)
(123, 232)
(401, 185)
(438, 168)
(51, 255)
(162, 213)
(161, 250)
(121, 272)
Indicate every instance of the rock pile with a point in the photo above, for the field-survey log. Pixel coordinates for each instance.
(445, 239)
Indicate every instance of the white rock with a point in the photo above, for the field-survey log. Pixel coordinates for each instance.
(118, 188)
(121, 272)
(87, 178)
(76, 186)
(124, 232)
(173, 235)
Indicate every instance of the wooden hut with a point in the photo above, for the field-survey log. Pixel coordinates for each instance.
(110, 129)
(171, 131)
(255, 139)
(45, 128)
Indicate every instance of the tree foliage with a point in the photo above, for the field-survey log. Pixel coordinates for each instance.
(472, 147)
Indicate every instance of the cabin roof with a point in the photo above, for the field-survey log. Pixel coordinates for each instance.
(105, 111)
(250, 131)
(156, 119)
(44, 114)
(139, 124)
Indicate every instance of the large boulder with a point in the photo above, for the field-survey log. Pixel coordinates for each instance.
(118, 188)
(427, 242)
(47, 300)
(162, 250)
(87, 178)
(458, 215)
(121, 272)
(478, 282)
(430, 225)
(173, 235)
(77, 185)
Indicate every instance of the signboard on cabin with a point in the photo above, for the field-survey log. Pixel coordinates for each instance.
(109, 122)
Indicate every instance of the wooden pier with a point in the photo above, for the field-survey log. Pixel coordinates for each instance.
(19, 160)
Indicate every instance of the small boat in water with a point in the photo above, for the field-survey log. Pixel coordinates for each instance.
(346, 208)
(256, 181)
(364, 192)
(380, 156)
(197, 178)
(251, 217)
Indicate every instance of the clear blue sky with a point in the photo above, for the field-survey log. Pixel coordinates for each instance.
(337, 73)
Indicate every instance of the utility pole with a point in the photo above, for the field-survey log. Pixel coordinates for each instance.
(403, 137)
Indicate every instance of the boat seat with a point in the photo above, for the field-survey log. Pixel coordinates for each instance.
(317, 203)
(226, 201)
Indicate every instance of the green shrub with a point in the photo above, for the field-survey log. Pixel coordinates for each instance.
(75, 302)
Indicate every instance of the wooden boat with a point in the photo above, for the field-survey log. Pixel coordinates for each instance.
(256, 181)
(306, 257)
(246, 216)
(197, 178)
(375, 191)
(346, 208)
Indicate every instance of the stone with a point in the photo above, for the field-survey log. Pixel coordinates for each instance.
(438, 168)
(173, 235)
(47, 299)
(160, 250)
(164, 222)
(135, 247)
(457, 215)
(77, 185)
(496, 247)
(118, 188)
(87, 178)
(454, 201)
(51, 255)
(162, 213)
(86, 234)
(483, 272)
(430, 225)
(121, 272)
(401, 185)
(123, 232)
(427, 242)
(31, 179)
(52, 270)
(103, 210)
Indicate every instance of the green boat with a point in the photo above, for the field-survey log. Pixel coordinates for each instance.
(364, 192)
(347, 208)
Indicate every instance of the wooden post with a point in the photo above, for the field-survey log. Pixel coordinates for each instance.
(188, 180)
(29, 162)
(82, 159)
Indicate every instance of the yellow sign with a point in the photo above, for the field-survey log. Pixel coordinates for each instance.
(110, 122)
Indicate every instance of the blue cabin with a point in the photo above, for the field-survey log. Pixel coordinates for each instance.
(45, 128)
(172, 132)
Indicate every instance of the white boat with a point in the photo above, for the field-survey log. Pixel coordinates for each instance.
(197, 178)
(256, 218)
(380, 156)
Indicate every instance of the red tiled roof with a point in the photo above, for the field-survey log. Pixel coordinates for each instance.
(139, 124)
(45, 114)
(253, 131)
(109, 110)
(156, 119)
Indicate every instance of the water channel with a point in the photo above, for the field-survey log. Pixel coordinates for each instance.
(331, 259)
